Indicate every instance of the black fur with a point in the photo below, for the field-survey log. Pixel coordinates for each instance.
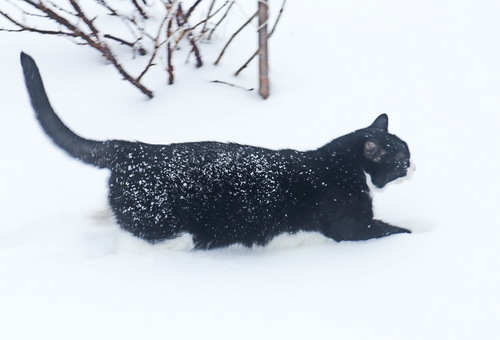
(224, 194)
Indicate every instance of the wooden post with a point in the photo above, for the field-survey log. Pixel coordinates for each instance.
(263, 52)
(170, 67)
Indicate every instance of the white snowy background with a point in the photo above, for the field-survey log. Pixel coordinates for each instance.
(433, 66)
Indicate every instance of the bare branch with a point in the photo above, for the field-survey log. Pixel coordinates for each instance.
(186, 30)
(85, 19)
(59, 8)
(181, 22)
(263, 53)
(208, 15)
(120, 40)
(204, 21)
(141, 50)
(134, 82)
(277, 18)
(234, 35)
(155, 49)
(80, 24)
(23, 27)
(139, 9)
(91, 40)
(232, 85)
(245, 65)
(191, 9)
(170, 68)
(219, 22)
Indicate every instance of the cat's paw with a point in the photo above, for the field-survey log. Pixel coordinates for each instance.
(386, 229)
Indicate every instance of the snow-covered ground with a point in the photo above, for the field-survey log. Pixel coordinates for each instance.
(67, 272)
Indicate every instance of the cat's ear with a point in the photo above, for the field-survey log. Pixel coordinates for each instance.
(381, 123)
(373, 150)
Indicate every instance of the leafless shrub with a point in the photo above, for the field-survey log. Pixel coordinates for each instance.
(147, 27)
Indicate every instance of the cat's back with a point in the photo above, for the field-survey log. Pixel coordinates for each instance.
(206, 161)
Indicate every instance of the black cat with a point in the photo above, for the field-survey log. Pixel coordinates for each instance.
(225, 194)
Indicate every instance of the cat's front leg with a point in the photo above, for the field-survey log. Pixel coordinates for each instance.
(377, 229)
(358, 230)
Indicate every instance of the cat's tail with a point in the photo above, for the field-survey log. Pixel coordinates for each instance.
(89, 151)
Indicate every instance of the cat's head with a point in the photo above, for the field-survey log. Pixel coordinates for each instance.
(385, 156)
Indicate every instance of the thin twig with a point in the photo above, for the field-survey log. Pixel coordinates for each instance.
(130, 23)
(181, 22)
(186, 30)
(120, 40)
(139, 9)
(155, 50)
(75, 21)
(232, 85)
(245, 65)
(234, 35)
(278, 18)
(208, 15)
(23, 28)
(85, 19)
(59, 8)
(204, 21)
(92, 41)
(191, 9)
(219, 22)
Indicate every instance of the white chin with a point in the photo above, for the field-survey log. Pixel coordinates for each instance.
(409, 173)
(411, 170)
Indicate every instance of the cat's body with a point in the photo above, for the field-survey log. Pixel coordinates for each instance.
(223, 194)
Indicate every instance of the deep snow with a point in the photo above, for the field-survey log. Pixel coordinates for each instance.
(67, 272)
